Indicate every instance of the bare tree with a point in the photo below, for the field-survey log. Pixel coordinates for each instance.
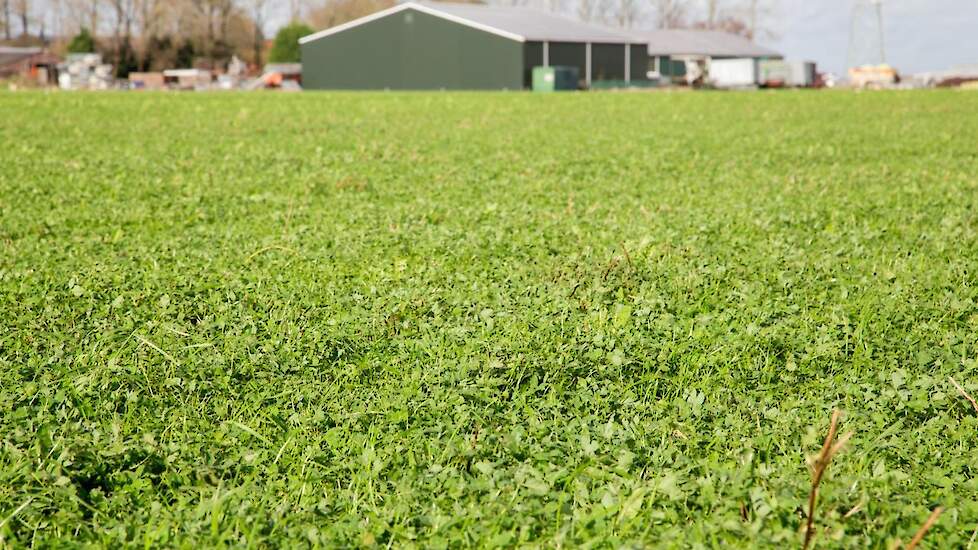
(93, 11)
(258, 10)
(627, 13)
(55, 13)
(589, 10)
(125, 14)
(23, 10)
(730, 24)
(225, 10)
(216, 29)
(6, 19)
(670, 14)
(749, 18)
(147, 34)
(336, 12)
(712, 13)
(757, 16)
(75, 15)
(207, 19)
(86, 13)
(150, 21)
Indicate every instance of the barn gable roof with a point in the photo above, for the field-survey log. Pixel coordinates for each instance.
(515, 23)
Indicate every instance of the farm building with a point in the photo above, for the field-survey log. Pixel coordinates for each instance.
(31, 63)
(464, 46)
(670, 50)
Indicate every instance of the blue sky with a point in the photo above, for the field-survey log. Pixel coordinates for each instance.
(921, 35)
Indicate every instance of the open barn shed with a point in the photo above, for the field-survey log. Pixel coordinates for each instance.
(464, 46)
(670, 49)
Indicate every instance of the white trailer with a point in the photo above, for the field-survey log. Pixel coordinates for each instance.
(733, 73)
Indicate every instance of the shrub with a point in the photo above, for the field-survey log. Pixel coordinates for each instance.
(285, 49)
(83, 42)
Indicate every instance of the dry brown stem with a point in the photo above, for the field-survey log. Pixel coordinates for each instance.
(830, 447)
(853, 511)
(628, 257)
(931, 519)
(964, 393)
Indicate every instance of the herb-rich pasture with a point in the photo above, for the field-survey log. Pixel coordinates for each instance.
(486, 319)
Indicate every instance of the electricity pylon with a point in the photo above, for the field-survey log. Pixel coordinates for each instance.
(866, 41)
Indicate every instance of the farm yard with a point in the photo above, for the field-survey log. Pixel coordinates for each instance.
(487, 319)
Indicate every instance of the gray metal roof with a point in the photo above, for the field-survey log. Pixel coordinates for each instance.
(9, 55)
(532, 24)
(516, 23)
(699, 42)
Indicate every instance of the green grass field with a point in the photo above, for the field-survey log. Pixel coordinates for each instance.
(482, 320)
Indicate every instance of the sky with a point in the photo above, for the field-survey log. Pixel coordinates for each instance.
(919, 35)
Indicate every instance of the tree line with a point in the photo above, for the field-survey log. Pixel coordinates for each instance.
(155, 34)
(143, 34)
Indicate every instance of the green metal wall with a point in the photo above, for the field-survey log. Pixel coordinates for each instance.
(414, 51)
(639, 63)
(532, 57)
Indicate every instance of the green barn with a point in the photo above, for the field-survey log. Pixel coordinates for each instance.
(425, 46)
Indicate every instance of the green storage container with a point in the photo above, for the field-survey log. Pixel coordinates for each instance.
(554, 78)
